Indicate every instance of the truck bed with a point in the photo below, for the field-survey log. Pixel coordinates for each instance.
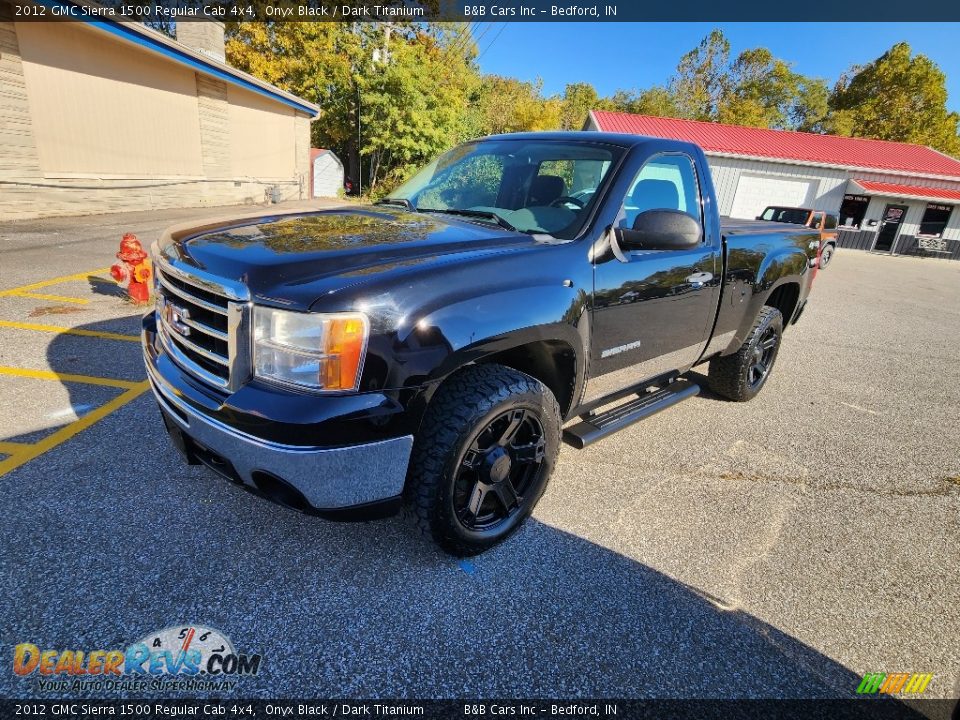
(737, 226)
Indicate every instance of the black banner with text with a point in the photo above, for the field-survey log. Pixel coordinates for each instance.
(483, 11)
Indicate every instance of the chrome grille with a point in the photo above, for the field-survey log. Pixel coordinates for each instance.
(204, 323)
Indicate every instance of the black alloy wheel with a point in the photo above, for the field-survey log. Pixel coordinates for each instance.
(483, 457)
(763, 354)
(498, 469)
(741, 375)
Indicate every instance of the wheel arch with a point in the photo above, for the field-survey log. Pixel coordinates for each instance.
(785, 297)
(552, 362)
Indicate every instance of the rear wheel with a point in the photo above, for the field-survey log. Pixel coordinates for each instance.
(742, 375)
(483, 457)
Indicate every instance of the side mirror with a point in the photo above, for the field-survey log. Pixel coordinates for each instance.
(661, 230)
(759, 217)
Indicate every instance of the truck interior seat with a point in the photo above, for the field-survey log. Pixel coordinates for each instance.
(544, 189)
(651, 195)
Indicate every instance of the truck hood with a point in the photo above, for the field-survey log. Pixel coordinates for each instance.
(293, 259)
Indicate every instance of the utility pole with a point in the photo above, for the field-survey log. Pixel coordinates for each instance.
(359, 156)
(381, 56)
(354, 28)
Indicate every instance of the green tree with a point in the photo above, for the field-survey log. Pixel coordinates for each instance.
(502, 104)
(764, 91)
(656, 100)
(391, 94)
(702, 78)
(414, 103)
(811, 109)
(755, 89)
(899, 96)
(578, 100)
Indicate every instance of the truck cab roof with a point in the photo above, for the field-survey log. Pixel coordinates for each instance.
(624, 140)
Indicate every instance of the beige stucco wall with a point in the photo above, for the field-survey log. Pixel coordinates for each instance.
(262, 136)
(91, 124)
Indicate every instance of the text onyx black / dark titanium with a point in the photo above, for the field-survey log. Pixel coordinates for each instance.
(434, 349)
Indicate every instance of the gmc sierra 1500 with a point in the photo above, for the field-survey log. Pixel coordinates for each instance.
(434, 349)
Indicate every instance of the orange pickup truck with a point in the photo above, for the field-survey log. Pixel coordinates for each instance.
(825, 222)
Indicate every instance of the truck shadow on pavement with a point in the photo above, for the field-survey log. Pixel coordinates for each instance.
(700, 378)
(119, 537)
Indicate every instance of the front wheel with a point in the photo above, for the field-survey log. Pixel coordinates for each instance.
(482, 458)
(742, 375)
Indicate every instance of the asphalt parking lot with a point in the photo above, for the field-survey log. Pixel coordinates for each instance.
(780, 548)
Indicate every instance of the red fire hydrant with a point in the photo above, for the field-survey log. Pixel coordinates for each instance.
(132, 273)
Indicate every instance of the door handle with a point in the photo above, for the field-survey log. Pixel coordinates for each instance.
(698, 280)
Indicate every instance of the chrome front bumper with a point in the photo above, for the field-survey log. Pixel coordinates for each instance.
(328, 478)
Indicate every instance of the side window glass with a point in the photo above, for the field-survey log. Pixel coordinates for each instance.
(831, 222)
(665, 182)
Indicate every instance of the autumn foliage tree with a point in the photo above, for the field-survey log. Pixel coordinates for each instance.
(393, 95)
(578, 100)
(899, 96)
(504, 104)
(754, 88)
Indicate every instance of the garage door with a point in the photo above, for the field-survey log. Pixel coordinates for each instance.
(755, 192)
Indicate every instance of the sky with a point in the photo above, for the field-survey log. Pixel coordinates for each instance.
(612, 56)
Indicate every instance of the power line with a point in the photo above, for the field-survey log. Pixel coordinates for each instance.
(462, 40)
(486, 29)
(502, 28)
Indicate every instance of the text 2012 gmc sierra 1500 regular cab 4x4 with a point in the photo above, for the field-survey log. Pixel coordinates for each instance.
(435, 348)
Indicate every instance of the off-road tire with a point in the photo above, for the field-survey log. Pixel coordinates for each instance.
(729, 376)
(461, 408)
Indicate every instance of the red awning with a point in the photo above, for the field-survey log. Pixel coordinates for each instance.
(912, 191)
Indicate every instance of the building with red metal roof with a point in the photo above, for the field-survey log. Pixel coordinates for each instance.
(888, 196)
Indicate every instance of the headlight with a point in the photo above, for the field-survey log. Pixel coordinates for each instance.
(313, 350)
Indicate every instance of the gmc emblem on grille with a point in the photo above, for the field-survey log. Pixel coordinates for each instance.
(175, 317)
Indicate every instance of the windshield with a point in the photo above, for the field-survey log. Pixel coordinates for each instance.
(797, 216)
(534, 186)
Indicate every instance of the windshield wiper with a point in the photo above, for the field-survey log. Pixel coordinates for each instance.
(479, 214)
(400, 202)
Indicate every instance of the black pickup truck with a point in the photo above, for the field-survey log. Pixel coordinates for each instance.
(434, 349)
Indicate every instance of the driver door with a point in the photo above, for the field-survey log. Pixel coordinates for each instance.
(653, 310)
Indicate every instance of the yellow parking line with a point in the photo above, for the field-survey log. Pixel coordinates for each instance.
(69, 331)
(52, 281)
(30, 452)
(53, 298)
(9, 448)
(69, 377)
